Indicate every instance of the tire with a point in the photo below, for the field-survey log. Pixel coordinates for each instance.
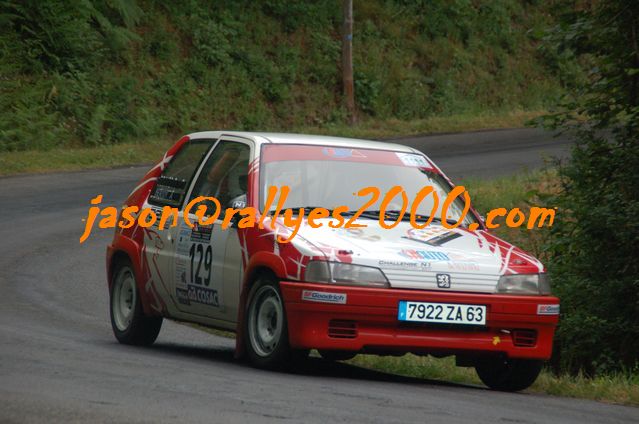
(130, 325)
(266, 329)
(337, 355)
(508, 375)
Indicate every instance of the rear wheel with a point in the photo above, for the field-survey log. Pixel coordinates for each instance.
(266, 329)
(510, 375)
(130, 325)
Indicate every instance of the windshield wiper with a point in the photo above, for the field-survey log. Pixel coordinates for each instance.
(394, 213)
(362, 214)
(306, 209)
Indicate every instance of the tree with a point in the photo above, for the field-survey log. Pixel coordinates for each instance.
(595, 244)
(347, 60)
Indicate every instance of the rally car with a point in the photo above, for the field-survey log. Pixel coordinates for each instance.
(340, 289)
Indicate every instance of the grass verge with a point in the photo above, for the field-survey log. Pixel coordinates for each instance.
(620, 389)
(516, 191)
(77, 159)
(148, 151)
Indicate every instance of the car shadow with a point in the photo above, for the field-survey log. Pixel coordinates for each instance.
(312, 366)
(320, 367)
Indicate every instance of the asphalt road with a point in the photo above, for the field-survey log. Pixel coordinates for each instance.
(59, 361)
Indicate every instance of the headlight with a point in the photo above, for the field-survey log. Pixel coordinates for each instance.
(345, 274)
(524, 284)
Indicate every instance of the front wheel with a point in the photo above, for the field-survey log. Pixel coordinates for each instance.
(130, 325)
(509, 375)
(265, 327)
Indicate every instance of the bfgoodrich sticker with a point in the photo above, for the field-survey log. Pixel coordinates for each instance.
(315, 296)
(547, 309)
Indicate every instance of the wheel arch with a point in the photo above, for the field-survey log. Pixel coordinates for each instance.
(124, 248)
(260, 264)
(116, 257)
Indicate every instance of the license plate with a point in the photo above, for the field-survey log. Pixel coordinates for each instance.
(443, 313)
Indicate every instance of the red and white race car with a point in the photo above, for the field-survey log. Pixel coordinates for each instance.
(342, 291)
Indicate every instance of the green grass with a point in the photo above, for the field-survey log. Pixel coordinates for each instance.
(150, 150)
(516, 191)
(620, 388)
(76, 159)
(370, 128)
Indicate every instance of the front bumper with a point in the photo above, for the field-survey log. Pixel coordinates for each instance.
(365, 320)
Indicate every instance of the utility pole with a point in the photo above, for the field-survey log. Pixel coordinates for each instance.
(347, 60)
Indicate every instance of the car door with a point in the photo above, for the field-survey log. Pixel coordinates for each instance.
(208, 265)
(170, 190)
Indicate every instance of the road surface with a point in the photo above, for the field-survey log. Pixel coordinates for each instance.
(59, 361)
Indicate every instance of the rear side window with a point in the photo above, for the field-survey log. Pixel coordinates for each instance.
(174, 181)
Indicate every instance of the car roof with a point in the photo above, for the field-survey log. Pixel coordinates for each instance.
(318, 140)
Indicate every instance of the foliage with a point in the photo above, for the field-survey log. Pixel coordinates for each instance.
(95, 72)
(594, 246)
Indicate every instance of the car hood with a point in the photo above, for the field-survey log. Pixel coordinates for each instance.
(416, 259)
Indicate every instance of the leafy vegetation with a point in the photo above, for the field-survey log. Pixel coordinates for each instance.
(95, 72)
(593, 248)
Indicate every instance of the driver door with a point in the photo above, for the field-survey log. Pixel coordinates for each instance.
(208, 260)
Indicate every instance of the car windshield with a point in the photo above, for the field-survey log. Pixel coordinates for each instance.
(328, 177)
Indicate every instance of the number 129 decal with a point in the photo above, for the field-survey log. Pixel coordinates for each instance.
(199, 255)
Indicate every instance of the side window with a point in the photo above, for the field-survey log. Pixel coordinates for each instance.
(174, 181)
(225, 173)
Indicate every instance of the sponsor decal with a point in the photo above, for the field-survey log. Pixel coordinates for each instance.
(341, 153)
(462, 261)
(194, 294)
(431, 236)
(425, 233)
(432, 255)
(323, 297)
(547, 309)
(463, 266)
(201, 233)
(443, 281)
(410, 159)
(405, 265)
(182, 296)
(182, 252)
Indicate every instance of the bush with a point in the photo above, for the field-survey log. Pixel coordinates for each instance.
(594, 244)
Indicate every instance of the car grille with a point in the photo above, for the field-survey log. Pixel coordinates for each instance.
(524, 338)
(342, 329)
(427, 280)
